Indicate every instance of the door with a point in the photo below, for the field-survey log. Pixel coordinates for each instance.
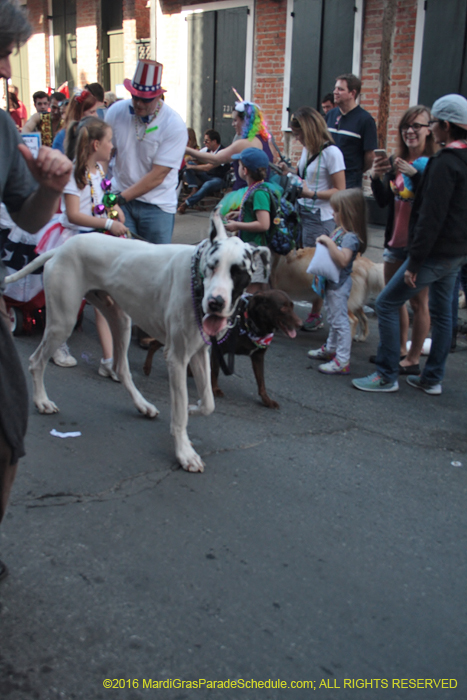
(216, 63)
(112, 44)
(443, 68)
(322, 49)
(64, 25)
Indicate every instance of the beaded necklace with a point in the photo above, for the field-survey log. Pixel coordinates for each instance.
(247, 194)
(109, 200)
(138, 122)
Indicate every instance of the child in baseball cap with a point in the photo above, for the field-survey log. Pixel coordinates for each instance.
(253, 220)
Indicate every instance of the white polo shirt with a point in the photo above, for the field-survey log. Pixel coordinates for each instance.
(164, 145)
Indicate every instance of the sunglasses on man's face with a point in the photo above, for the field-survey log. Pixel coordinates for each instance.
(144, 100)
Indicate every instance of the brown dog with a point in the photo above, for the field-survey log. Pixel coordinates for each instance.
(261, 314)
(289, 273)
(258, 316)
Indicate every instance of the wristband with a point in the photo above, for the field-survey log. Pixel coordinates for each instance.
(121, 199)
(108, 224)
(315, 196)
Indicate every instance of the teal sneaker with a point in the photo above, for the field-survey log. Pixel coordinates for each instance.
(375, 382)
(419, 383)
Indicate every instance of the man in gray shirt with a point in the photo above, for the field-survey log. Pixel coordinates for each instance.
(31, 190)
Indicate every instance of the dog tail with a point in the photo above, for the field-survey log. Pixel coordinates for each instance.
(34, 265)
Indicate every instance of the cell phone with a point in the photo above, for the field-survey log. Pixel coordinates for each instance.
(380, 153)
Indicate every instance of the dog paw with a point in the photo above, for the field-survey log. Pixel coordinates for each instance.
(194, 409)
(46, 406)
(190, 461)
(147, 409)
(218, 393)
(269, 403)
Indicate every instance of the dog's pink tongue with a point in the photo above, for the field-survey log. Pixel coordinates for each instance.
(212, 324)
(291, 333)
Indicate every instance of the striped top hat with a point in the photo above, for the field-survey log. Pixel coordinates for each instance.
(146, 81)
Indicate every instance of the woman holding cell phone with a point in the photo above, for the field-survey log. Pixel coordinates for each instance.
(394, 181)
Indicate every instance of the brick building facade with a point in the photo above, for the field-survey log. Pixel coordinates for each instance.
(389, 50)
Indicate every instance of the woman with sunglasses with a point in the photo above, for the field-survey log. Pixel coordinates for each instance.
(394, 182)
(322, 168)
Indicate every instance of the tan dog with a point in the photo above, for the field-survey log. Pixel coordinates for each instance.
(289, 274)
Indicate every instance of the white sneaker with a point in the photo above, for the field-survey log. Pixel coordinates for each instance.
(334, 367)
(63, 358)
(106, 370)
(321, 353)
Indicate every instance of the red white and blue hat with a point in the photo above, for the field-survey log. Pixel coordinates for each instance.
(146, 81)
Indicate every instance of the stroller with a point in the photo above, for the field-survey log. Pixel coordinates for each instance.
(25, 300)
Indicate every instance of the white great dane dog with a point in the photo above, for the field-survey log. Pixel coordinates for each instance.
(179, 294)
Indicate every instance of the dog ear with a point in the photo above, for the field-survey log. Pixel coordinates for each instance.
(264, 254)
(217, 230)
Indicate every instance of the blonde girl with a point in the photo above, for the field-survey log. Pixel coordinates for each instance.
(349, 239)
(82, 201)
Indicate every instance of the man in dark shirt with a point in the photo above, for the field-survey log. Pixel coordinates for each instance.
(31, 191)
(209, 176)
(353, 129)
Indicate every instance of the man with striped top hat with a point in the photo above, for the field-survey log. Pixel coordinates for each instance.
(150, 140)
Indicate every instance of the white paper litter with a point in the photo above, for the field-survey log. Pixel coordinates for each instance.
(56, 433)
(426, 346)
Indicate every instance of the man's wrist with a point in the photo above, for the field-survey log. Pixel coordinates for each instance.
(121, 199)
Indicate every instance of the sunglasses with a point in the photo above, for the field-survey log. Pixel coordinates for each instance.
(144, 100)
(415, 126)
(294, 123)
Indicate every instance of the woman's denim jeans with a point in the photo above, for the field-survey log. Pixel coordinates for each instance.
(440, 275)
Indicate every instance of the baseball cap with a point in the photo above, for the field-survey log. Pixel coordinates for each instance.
(451, 108)
(252, 158)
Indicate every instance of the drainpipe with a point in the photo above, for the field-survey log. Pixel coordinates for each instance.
(51, 44)
(153, 28)
(389, 26)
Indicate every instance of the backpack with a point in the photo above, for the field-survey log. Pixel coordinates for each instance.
(283, 233)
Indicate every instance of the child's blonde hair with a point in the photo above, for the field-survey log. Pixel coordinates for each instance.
(350, 206)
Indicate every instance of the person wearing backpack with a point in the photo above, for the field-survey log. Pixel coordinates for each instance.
(322, 168)
(253, 220)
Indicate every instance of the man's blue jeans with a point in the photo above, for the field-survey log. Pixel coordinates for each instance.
(440, 275)
(210, 185)
(149, 221)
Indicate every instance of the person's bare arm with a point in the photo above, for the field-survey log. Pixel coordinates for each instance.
(262, 223)
(338, 182)
(32, 124)
(76, 217)
(368, 159)
(341, 256)
(226, 154)
(52, 170)
(153, 179)
(200, 168)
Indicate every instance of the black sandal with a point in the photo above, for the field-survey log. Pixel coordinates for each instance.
(409, 369)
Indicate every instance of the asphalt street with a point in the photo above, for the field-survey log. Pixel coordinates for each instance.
(324, 542)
